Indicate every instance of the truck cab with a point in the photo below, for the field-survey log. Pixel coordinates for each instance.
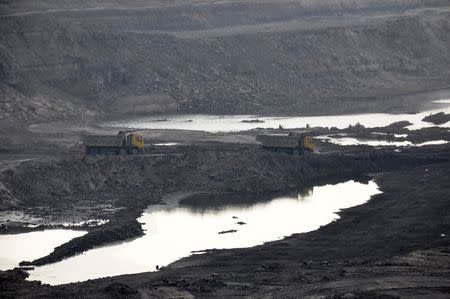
(132, 141)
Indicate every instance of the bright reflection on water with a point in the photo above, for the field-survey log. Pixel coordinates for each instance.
(30, 246)
(173, 232)
(354, 141)
(166, 144)
(233, 123)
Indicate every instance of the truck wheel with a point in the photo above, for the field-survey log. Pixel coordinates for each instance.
(134, 151)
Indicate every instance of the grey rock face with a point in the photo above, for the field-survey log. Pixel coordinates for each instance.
(244, 57)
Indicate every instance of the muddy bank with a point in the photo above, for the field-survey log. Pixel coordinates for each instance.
(397, 131)
(395, 245)
(131, 183)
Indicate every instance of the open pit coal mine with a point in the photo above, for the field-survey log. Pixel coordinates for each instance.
(205, 209)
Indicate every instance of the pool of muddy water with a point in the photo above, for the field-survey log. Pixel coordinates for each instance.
(173, 231)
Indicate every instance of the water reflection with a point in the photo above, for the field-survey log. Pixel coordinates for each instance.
(30, 246)
(175, 232)
(166, 144)
(354, 141)
(233, 123)
(445, 101)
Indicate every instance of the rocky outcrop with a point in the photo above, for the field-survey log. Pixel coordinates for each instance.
(45, 104)
(231, 57)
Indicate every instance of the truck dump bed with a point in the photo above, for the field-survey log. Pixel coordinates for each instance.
(103, 140)
(279, 140)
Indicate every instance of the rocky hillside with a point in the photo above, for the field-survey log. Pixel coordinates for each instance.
(62, 59)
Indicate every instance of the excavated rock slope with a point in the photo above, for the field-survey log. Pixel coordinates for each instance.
(64, 59)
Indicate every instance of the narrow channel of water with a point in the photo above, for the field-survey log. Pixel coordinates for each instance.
(173, 232)
(234, 123)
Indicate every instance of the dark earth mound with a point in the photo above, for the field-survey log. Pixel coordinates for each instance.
(438, 118)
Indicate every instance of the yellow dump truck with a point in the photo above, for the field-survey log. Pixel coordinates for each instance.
(120, 144)
(292, 143)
